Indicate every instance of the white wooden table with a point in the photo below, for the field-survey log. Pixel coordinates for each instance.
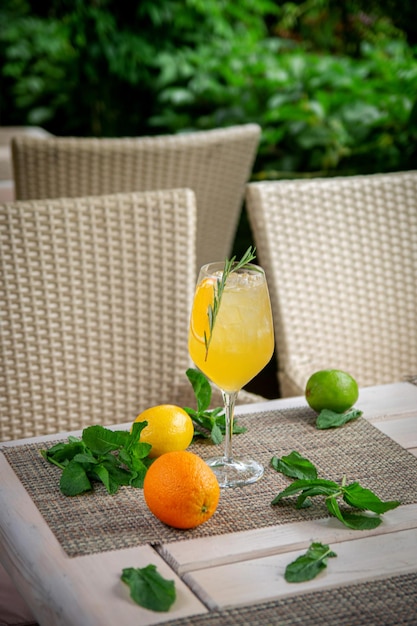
(226, 571)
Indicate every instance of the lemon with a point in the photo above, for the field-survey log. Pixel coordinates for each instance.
(331, 389)
(169, 428)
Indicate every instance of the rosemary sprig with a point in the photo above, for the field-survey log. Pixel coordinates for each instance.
(229, 267)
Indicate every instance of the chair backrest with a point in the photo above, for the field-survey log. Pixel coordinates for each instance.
(215, 164)
(95, 297)
(340, 256)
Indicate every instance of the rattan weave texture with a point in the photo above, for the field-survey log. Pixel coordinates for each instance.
(215, 164)
(386, 602)
(95, 300)
(340, 257)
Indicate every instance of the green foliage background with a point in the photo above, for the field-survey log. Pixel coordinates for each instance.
(332, 83)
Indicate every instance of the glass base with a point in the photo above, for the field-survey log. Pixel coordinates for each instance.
(236, 472)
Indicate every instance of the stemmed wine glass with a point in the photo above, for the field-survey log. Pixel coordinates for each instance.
(231, 339)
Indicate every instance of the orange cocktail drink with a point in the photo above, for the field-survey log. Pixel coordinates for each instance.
(241, 341)
(231, 338)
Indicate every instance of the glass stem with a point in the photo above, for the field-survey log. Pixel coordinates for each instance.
(229, 400)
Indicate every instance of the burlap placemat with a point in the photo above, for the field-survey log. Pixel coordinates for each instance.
(386, 602)
(96, 521)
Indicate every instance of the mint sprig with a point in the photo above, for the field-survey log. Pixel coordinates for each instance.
(114, 458)
(294, 465)
(331, 419)
(353, 495)
(309, 565)
(207, 424)
(229, 266)
(149, 589)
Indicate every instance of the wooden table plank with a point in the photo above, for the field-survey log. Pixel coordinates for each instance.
(205, 552)
(401, 429)
(57, 588)
(258, 580)
(105, 570)
(385, 401)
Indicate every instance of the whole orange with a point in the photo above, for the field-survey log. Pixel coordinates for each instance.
(168, 428)
(181, 490)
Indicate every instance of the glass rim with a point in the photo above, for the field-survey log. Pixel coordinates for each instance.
(219, 265)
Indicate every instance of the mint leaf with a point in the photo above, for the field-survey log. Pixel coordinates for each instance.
(74, 479)
(101, 440)
(314, 487)
(352, 520)
(138, 477)
(207, 424)
(333, 508)
(134, 435)
(115, 458)
(149, 589)
(360, 522)
(331, 419)
(85, 457)
(136, 459)
(62, 453)
(102, 473)
(220, 419)
(362, 498)
(294, 465)
(309, 565)
(216, 434)
(119, 475)
(201, 387)
(354, 495)
(139, 451)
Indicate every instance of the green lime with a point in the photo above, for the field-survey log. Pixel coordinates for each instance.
(331, 389)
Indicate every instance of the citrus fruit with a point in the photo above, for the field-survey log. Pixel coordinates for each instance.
(169, 428)
(331, 389)
(181, 490)
(204, 297)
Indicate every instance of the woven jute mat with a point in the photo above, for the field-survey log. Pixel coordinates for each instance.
(97, 522)
(388, 602)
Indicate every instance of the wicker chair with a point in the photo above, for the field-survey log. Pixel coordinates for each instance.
(340, 256)
(215, 164)
(96, 296)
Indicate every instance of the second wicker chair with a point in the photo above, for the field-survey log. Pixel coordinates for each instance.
(215, 164)
(340, 256)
